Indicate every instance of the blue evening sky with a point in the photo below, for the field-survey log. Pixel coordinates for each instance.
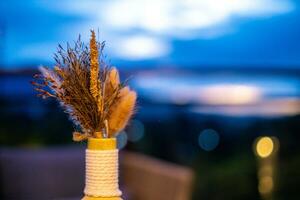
(200, 34)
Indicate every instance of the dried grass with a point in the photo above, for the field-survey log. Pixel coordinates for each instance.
(88, 90)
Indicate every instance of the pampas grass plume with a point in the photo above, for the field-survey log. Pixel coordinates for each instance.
(124, 91)
(112, 82)
(122, 112)
(114, 77)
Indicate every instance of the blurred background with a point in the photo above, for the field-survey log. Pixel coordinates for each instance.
(218, 85)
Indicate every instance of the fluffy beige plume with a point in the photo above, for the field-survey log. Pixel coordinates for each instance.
(94, 76)
(114, 77)
(112, 81)
(121, 112)
(124, 91)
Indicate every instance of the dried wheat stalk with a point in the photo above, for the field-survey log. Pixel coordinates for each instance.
(88, 90)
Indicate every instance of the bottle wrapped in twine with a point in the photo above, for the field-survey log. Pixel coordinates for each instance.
(102, 169)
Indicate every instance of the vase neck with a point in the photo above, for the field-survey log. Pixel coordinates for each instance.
(102, 143)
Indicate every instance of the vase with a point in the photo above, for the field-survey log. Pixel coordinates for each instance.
(102, 170)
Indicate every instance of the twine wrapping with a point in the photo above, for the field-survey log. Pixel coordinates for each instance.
(102, 179)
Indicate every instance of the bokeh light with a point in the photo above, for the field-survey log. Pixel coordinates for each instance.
(230, 94)
(265, 170)
(122, 140)
(135, 131)
(264, 147)
(265, 184)
(208, 139)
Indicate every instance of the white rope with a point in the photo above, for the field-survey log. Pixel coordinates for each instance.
(102, 179)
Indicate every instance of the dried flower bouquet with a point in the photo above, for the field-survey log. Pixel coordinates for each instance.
(88, 89)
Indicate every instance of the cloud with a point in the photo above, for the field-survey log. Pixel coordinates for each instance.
(142, 29)
(172, 16)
